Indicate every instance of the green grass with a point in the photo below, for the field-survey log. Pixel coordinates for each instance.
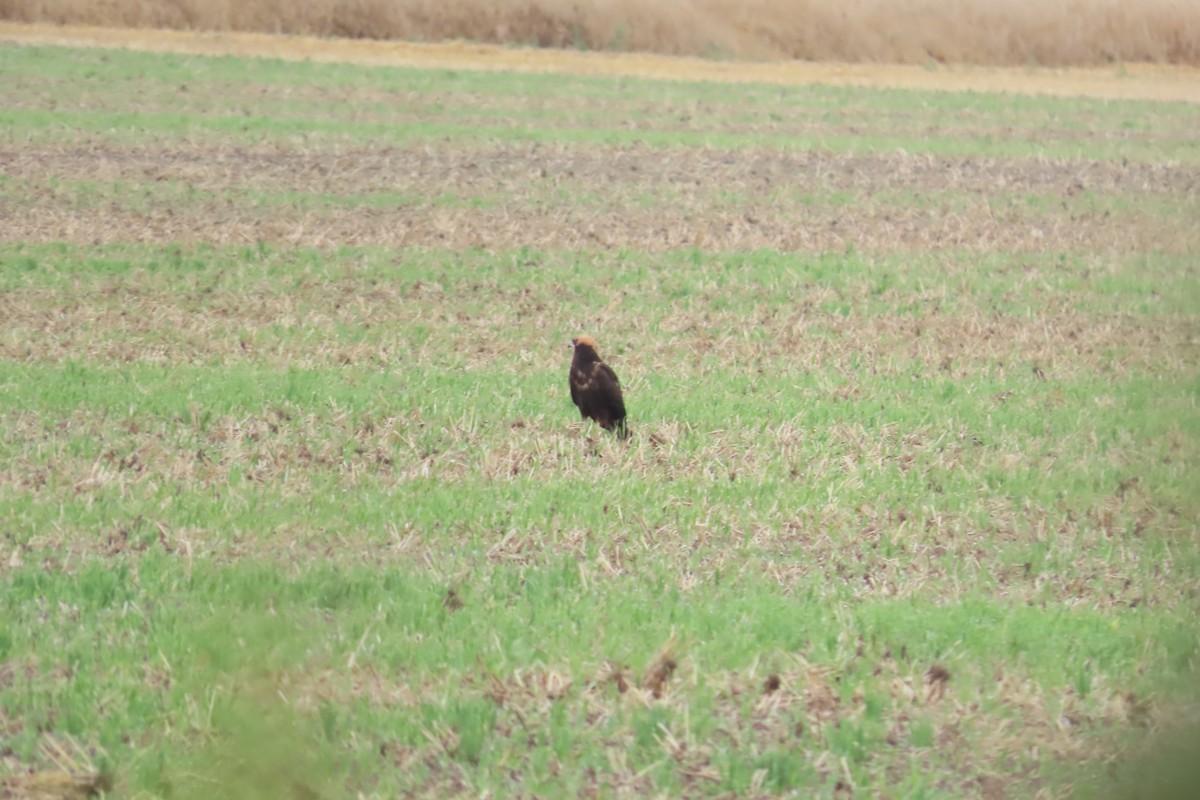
(86, 91)
(193, 633)
(293, 519)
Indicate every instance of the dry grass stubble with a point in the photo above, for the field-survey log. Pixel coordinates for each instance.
(117, 324)
(575, 197)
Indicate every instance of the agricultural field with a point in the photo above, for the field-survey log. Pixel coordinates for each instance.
(294, 502)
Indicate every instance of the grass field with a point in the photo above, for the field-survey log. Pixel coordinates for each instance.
(294, 502)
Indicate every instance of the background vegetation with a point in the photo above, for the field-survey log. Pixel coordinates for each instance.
(1015, 32)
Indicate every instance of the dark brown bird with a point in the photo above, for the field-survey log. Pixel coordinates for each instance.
(595, 388)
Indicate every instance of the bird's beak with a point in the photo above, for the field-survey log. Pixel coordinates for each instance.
(571, 343)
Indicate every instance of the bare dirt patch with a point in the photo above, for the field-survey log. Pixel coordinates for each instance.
(574, 197)
(494, 170)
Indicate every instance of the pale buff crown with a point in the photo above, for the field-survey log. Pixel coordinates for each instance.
(586, 341)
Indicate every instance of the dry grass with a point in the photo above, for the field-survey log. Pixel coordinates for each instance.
(765, 712)
(502, 196)
(73, 776)
(1053, 32)
(195, 322)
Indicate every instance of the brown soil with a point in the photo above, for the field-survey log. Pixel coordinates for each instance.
(706, 199)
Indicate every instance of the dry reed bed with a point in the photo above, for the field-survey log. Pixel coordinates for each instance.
(1016, 32)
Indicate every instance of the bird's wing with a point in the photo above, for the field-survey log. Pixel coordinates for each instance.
(578, 384)
(609, 385)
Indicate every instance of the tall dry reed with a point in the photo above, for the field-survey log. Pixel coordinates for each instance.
(1046, 32)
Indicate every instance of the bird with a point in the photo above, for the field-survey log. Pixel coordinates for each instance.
(595, 388)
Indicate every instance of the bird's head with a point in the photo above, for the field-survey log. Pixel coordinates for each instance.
(585, 341)
(585, 349)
